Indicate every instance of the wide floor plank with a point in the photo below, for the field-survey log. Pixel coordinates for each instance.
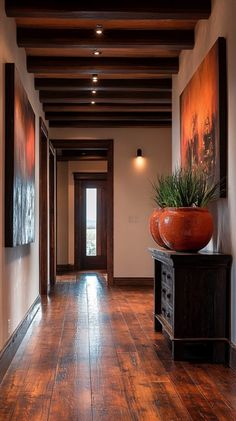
(91, 355)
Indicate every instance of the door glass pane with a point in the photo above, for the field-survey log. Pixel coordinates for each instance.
(91, 222)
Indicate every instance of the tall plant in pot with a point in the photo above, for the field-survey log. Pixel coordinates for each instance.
(185, 223)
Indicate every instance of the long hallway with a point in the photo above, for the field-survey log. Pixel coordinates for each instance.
(91, 354)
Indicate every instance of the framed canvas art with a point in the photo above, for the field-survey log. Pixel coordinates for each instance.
(19, 162)
(203, 113)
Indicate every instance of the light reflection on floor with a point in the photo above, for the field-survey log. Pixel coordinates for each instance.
(94, 306)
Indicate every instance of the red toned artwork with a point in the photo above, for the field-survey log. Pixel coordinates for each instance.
(203, 110)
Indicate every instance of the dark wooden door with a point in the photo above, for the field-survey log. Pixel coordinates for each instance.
(91, 216)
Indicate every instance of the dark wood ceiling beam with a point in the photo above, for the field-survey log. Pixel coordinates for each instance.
(98, 65)
(111, 101)
(119, 24)
(72, 38)
(129, 85)
(101, 108)
(81, 144)
(164, 116)
(75, 96)
(163, 9)
(107, 124)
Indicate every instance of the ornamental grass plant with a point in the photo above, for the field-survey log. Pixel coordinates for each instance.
(185, 188)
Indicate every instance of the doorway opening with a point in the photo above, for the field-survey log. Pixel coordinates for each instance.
(84, 206)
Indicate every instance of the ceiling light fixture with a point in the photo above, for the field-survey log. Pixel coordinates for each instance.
(97, 52)
(99, 30)
(95, 78)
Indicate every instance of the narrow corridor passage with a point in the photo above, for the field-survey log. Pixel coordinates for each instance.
(91, 354)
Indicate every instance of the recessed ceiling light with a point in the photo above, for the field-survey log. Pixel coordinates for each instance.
(94, 92)
(95, 78)
(93, 102)
(97, 52)
(99, 30)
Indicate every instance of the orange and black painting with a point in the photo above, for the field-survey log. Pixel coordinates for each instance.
(20, 163)
(203, 116)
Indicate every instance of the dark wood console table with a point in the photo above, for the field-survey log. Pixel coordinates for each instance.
(192, 303)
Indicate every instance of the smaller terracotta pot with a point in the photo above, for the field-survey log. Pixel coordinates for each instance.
(186, 229)
(154, 227)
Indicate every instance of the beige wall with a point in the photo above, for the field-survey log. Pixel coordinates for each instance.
(221, 23)
(132, 191)
(19, 266)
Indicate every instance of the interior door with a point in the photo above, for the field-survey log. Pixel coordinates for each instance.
(91, 215)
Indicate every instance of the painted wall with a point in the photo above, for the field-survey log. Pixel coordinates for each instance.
(19, 266)
(132, 190)
(221, 23)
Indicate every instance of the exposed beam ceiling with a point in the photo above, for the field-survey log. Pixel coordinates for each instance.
(139, 52)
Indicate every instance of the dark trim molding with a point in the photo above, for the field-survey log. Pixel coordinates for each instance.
(90, 175)
(61, 269)
(13, 343)
(43, 208)
(141, 282)
(232, 356)
(52, 215)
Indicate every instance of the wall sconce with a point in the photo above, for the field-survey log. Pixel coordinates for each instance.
(139, 160)
(139, 153)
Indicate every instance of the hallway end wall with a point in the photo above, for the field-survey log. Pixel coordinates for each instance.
(132, 191)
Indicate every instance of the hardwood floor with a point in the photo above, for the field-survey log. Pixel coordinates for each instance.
(91, 354)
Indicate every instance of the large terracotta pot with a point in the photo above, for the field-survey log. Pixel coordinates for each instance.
(154, 227)
(186, 229)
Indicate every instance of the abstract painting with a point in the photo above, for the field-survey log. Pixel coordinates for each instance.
(19, 162)
(203, 111)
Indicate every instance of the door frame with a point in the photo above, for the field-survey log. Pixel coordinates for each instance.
(47, 249)
(43, 208)
(78, 177)
(96, 144)
(52, 215)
